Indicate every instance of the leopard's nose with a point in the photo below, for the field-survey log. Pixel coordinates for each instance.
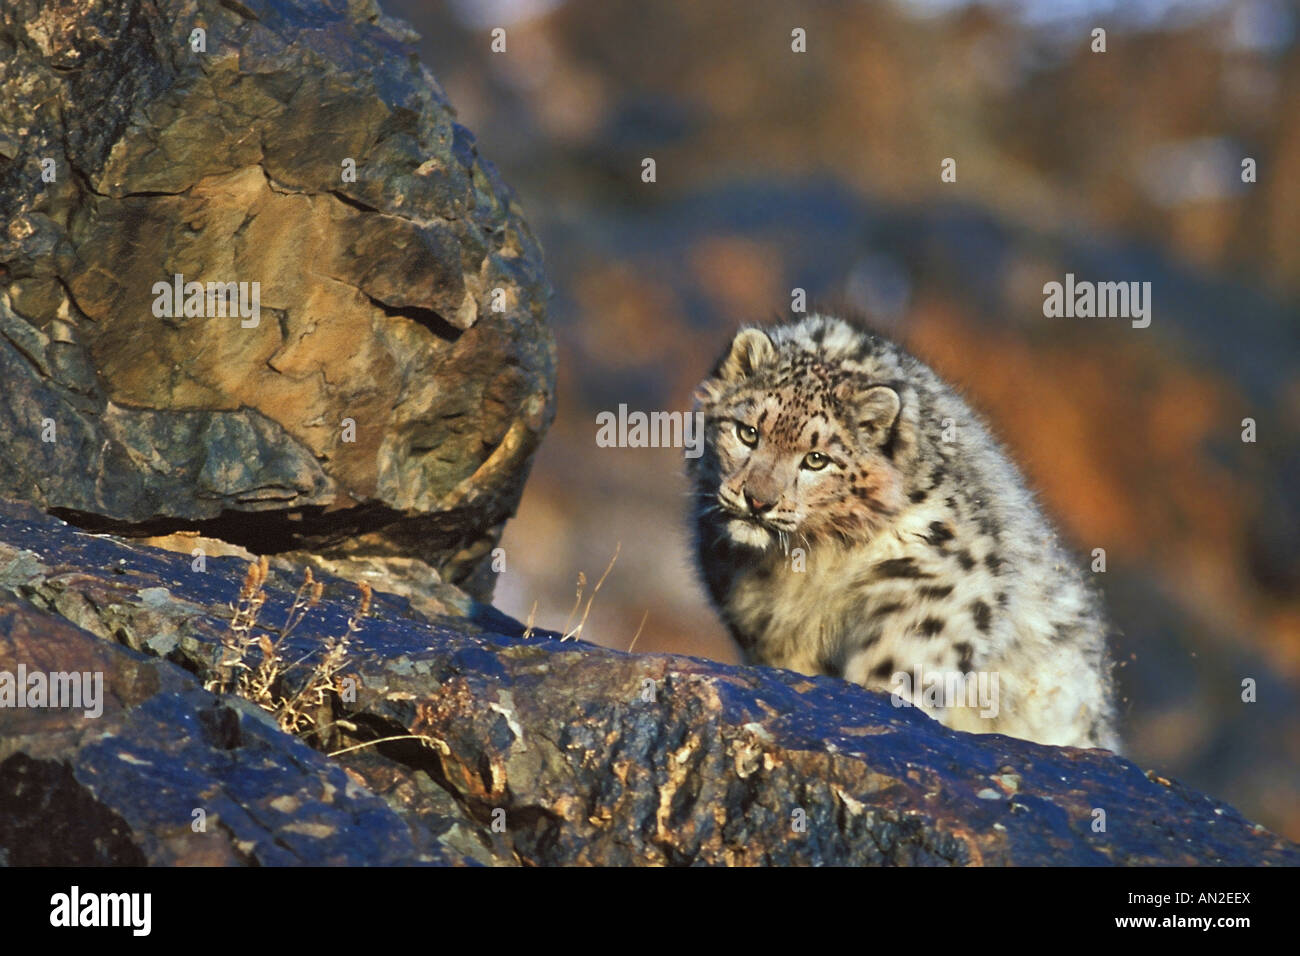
(755, 506)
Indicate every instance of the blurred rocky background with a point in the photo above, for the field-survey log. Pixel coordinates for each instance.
(820, 170)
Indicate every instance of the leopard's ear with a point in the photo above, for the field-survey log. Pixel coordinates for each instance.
(750, 351)
(877, 409)
(874, 408)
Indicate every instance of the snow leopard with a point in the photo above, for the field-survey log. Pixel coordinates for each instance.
(854, 517)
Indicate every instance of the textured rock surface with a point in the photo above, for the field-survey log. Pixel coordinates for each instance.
(533, 751)
(122, 789)
(409, 301)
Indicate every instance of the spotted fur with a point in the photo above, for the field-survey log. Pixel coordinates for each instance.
(895, 549)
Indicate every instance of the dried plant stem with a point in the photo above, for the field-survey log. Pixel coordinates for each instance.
(577, 601)
(431, 741)
(638, 630)
(577, 631)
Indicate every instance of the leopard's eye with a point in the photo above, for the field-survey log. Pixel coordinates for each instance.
(815, 461)
(747, 434)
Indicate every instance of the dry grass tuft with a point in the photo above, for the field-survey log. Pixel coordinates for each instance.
(270, 681)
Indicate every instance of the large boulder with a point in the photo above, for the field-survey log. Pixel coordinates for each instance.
(384, 399)
(472, 740)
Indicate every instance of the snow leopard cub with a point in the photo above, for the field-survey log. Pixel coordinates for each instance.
(854, 517)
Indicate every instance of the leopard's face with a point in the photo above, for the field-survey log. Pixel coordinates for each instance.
(781, 467)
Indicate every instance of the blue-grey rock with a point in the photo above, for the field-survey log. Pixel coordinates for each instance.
(514, 749)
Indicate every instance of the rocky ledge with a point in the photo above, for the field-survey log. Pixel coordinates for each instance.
(463, 740)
